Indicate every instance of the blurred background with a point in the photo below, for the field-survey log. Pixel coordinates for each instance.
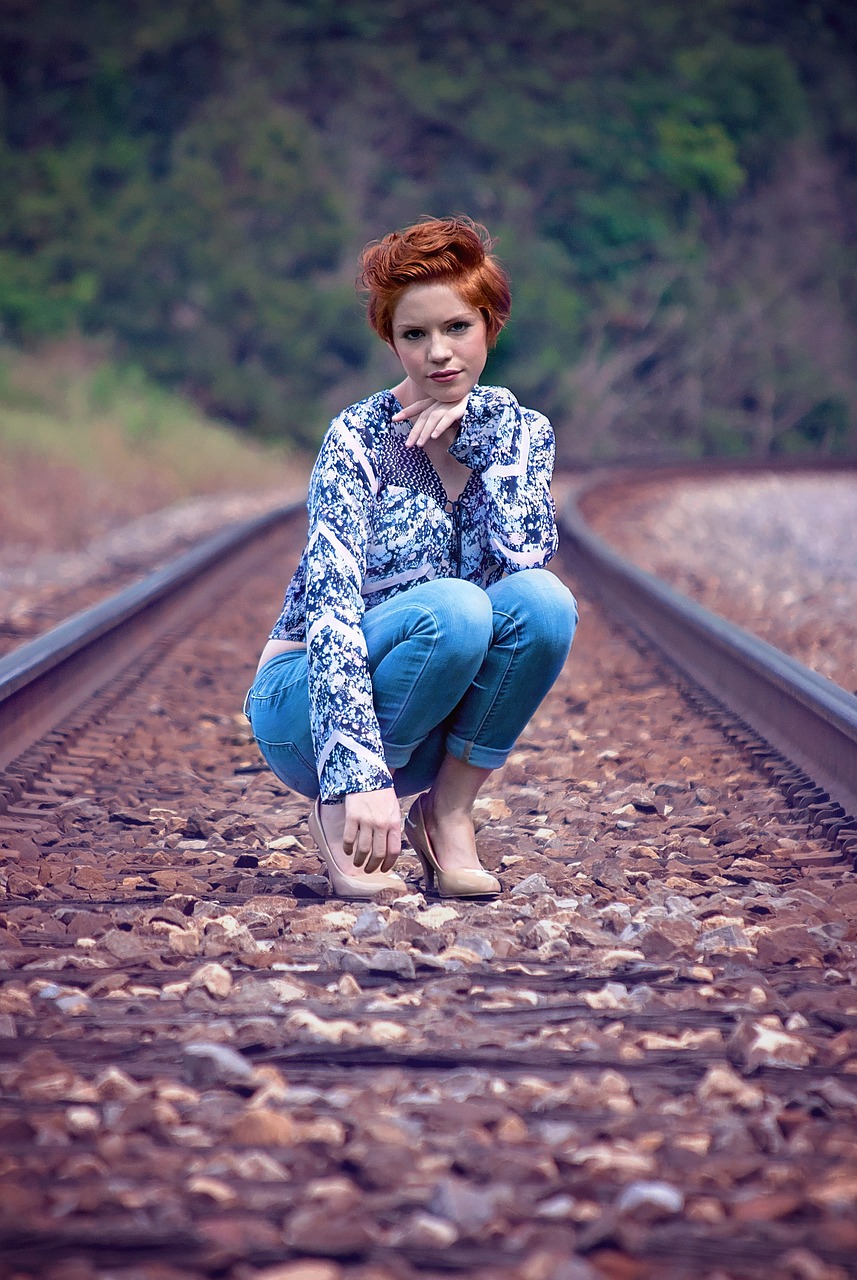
(186, 185)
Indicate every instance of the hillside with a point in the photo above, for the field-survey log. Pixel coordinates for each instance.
(87, 447)
(673, 187)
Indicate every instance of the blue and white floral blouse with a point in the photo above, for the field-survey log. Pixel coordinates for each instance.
(379, 523)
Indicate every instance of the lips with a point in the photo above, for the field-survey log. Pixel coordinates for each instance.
(445, 376)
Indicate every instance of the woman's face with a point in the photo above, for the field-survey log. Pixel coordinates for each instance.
(441, 341)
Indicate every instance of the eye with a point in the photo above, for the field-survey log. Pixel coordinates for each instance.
(411, 335)
(459, 326)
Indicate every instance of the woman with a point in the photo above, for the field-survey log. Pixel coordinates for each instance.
(420, 630)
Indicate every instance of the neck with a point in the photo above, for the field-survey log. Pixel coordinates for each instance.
(406, 393)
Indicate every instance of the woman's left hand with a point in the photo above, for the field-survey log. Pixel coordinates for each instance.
(430, 419)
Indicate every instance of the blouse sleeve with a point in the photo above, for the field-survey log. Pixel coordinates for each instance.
(513, 450)
(346, 736)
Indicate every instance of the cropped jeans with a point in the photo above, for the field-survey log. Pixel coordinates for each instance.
(455, 668)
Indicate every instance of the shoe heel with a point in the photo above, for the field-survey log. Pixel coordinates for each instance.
(428, 871)
(465, 883)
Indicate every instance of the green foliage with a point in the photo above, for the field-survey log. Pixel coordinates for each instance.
(193, 178)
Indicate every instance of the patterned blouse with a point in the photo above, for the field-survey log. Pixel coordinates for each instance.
(379, 523)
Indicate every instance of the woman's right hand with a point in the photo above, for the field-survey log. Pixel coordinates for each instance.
(373, 829)
(430, 419)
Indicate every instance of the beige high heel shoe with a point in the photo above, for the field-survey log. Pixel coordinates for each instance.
(464, 882)
(365, 885)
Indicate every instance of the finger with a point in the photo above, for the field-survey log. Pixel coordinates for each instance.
(363, 848)
(409, 410)
(349, 834)
(394, 848)
(420, 430)
(430, 425)
(378, 851)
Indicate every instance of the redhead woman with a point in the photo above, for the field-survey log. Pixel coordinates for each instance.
(421, 629)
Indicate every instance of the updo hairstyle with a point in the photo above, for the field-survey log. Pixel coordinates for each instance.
(454, 251)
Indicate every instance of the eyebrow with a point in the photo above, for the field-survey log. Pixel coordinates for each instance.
(404, 325)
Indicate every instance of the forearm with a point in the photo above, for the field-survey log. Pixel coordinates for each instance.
(513, 451)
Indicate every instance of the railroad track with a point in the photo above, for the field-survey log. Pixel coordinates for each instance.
(801, 725)
(642, 1058)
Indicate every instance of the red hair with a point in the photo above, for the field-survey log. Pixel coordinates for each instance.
(453, 251)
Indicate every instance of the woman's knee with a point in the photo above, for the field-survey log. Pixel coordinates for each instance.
(460, 613)
(540, 604)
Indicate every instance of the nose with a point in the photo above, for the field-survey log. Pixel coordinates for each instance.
(439, 347)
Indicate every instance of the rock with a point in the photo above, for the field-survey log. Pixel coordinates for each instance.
(836, 1190)
(369, 924)
(383, 1032)
(259, 1167)
(767, 1208)
(766, 1043)
(425, 1231)
(542, 931)
(314, 1227)
(556, 1208)
(331, 1030)
(226, 936)
(725, 939)
(666, 939)
(476, 943)
(397, 962)
(489, 809)
(308, 1269)
(212, 1189)
(262, 1127)
(339, 919)
(74, 1005)
(721, 1084)
(113, 1085)
(214, 979)
(613, 995)
(650, 1201)
(209, 1063)
(82, 1121)
(469, 1207)
(323, 1129)
(530, 887)
(126, 946)
(284, 842)
(438, 915)
(184, 942)
(785, 945)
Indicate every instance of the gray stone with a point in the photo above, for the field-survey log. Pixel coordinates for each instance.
(208, 1063)
(531, 886)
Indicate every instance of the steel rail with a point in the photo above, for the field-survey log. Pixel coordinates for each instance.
(809, 721)
(46, 679)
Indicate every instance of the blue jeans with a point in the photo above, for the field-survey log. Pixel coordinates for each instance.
(454, 668)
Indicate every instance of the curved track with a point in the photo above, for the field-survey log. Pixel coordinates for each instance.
(802, 726)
